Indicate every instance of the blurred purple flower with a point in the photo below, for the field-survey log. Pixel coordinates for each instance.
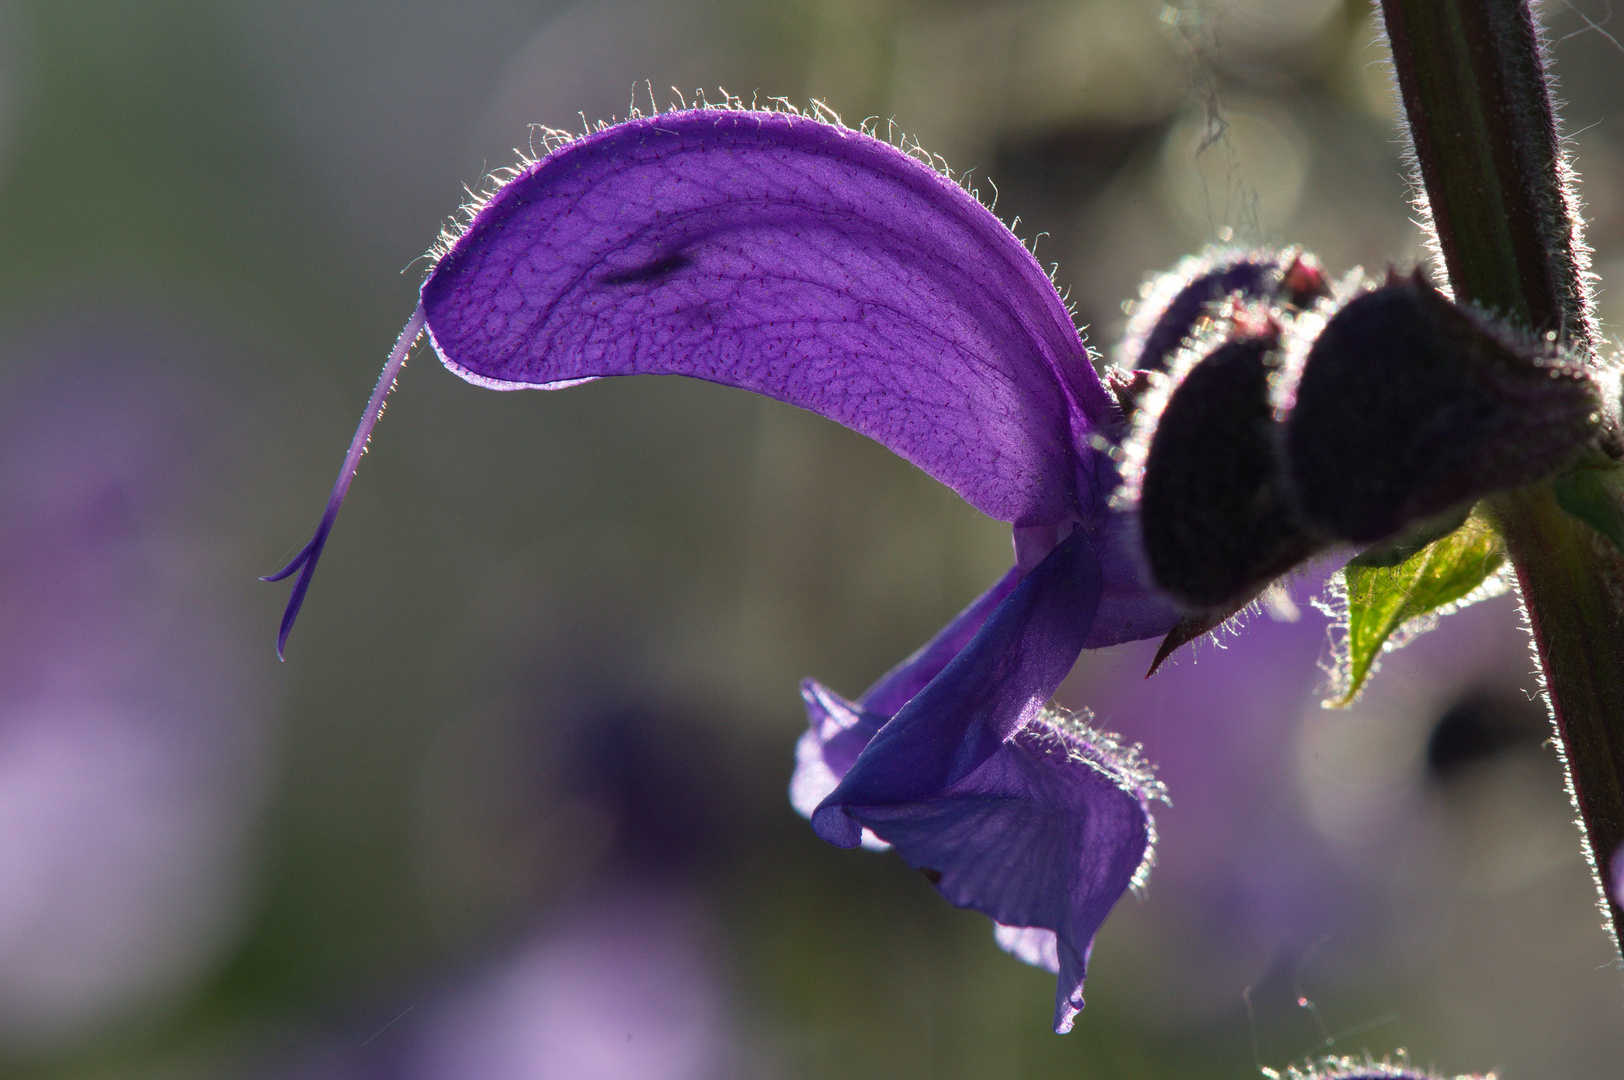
(1246, 886)
(623, 986)
(623, 990)
(822, 267)
(622, 975)
(132, 738)
(1313, 848)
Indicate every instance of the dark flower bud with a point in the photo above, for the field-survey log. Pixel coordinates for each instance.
(1176, 307)
(1408, 405)
(1214, 515)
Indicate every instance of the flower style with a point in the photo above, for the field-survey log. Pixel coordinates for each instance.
(820, 266)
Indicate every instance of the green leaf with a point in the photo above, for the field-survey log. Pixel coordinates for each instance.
(1421, 535)
(1383, 601)
(1596, 497)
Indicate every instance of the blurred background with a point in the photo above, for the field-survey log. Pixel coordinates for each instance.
(514, 806)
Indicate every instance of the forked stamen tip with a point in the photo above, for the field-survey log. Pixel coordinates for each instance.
(305, 562)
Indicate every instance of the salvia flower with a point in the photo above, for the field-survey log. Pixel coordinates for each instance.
(819, 266)
(135, 744)
(559, 1007)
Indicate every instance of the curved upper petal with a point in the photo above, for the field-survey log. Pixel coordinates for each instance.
(797, 259)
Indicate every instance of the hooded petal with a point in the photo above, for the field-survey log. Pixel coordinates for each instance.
(797, 259)
(1012, 809)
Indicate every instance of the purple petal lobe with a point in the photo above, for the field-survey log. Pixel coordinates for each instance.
(838, 730)
(1030, 945)
(902, 682)
(990, 690)
(1045, 837)
(1131, 606)
(796, 259)
(1014, 810)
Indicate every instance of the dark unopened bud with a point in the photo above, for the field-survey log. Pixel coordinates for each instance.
(1213, 510)
(1408, 405)
(1176, 307)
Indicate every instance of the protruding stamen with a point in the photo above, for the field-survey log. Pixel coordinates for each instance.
(311, 552)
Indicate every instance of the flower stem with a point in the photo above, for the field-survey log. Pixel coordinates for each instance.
(1478, 103)
(1497, 192)
(1570, 588)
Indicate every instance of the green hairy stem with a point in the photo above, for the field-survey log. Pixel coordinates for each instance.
(1497, 192)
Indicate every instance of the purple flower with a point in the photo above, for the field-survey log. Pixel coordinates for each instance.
(822, 267)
